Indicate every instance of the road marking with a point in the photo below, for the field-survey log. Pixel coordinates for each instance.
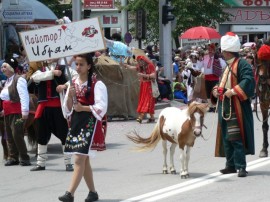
(193, 184)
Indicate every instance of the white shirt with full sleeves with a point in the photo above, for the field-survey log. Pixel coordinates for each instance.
(22, 91)
(99, 108)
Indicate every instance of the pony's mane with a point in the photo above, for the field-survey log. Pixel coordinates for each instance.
(196, 105)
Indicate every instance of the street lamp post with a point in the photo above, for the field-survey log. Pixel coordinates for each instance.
(76, 10)
(124, 17)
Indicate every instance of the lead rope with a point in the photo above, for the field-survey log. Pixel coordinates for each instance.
(212, 128)
(215, 120)
(222, 110)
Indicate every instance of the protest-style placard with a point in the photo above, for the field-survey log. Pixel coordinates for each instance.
(63, 40)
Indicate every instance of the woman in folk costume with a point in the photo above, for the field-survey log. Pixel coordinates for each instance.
(235, 133)
(147, 73)
(49, 112)
(86, 101)
(15, 100)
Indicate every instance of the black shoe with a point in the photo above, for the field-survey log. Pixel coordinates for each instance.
(67, 197)
(92, 196)
(228, 170)
(69, 167)
(242, 172)
(37, 168)
(25, 163)
(12, 162)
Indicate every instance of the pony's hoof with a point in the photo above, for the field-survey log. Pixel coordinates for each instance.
(173, 172)
(186, 176)
(139, 120)
(263, 153)
(165, 172)
(183, 177)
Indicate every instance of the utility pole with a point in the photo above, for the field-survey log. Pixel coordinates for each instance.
(124, 19)
(165, 45)
(76, 10)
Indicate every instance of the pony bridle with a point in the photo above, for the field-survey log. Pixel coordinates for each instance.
(197, 128)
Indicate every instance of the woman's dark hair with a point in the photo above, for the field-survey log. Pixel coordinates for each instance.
(89, 59)
(116, 37)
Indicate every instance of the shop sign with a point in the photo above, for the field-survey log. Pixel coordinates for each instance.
(97, 4)
(250, 28)
(248, 15)
(248, 3)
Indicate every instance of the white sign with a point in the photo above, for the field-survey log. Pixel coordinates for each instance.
(63, 40)
(20, 14)
(197, 42)
(250, 28)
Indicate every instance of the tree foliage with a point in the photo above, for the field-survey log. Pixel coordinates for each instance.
(187, 14)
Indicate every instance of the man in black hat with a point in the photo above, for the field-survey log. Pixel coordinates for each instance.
(15, 102)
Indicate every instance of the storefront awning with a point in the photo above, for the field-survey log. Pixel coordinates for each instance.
(27, 11)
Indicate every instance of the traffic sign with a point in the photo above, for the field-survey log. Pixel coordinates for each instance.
(128, 38)
(21, 14)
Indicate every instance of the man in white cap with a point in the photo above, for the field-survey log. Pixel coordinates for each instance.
(235, 133)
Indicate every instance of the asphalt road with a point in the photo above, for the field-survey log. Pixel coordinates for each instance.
(121, 174)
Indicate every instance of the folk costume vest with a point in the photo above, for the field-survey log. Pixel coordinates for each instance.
(47, 95)
(13, 106)
(47, 89)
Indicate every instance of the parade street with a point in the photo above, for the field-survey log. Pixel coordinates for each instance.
(122, 174)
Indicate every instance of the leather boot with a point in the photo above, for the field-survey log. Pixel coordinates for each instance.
(228, 170)
(242, 172)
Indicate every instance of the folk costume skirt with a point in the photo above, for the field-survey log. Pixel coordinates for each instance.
(84, 135)
(146, 100)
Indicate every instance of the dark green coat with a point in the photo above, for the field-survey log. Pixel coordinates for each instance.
(243, 83)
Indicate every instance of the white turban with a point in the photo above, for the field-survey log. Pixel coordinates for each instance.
(230, 42)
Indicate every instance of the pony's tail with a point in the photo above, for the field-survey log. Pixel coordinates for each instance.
(148, 143)
(31, 129)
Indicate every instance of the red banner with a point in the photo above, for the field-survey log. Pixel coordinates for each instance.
(92, 4)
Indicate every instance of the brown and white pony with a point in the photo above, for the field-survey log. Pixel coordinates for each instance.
(263, 91)
(180, 127)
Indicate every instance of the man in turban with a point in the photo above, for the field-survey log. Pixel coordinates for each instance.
(235, 132)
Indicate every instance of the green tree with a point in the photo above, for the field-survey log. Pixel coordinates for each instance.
(187, 14)
(56, 7)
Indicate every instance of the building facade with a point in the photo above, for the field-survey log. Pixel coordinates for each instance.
(250, 18)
